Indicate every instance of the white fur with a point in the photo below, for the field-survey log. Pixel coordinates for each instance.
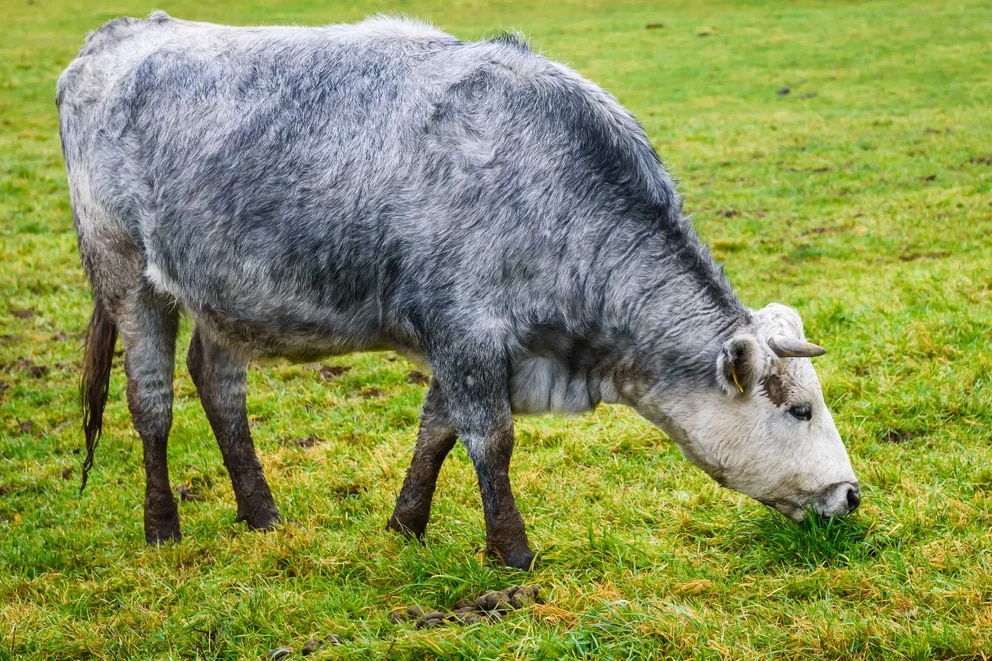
(751, 445)
(388, 27)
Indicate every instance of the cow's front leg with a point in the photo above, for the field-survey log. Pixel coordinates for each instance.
(434, 441)
(475, 383)
(505, 534)
(221, 382)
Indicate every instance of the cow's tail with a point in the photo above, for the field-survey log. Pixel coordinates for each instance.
(101, 337)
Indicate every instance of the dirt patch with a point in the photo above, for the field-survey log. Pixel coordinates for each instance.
(331, 372)
(489, 607)
(899, 435)
(823, 230)
(347, 490)
(418, 378)
(24, 314)
(307, 442)
(27, 366)
(934, 254)
(188, 494)
(819, 170)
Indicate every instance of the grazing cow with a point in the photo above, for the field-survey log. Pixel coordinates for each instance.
(302, 192)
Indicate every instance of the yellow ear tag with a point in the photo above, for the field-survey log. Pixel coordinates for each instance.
(733, 373)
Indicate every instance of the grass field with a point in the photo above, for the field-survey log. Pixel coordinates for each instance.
(837, 156)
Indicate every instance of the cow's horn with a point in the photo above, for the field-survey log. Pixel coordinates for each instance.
(789, 347)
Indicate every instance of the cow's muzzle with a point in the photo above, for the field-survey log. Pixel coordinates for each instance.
(838, 499)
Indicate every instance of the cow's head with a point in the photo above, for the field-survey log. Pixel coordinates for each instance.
(764, 430)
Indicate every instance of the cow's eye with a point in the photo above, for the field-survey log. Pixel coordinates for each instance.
(801, 412)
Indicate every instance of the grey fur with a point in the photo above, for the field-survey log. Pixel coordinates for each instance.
(310, 191)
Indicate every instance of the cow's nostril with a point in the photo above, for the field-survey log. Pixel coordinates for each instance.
(853, 498)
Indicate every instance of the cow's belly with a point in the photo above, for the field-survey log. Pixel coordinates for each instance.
(263, 320)
(299, 339)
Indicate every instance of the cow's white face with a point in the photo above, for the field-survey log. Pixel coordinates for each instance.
(765, 431)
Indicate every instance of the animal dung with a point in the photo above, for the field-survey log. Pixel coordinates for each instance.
(490, 606)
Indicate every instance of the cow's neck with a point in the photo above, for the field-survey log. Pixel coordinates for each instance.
(660, 327)
(673, 300)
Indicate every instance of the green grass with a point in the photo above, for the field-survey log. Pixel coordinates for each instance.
(863, 197)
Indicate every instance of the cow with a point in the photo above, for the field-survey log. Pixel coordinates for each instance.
(303, 192)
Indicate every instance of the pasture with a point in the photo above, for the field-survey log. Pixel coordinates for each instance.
(836, 156)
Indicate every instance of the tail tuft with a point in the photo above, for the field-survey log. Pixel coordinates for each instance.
(101, 337)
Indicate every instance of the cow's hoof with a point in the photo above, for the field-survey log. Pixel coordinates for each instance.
(156, 535)
(161, 519)
(519, 558)
(260, 518)
(408, 530)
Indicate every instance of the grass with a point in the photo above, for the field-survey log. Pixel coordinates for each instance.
(861, 196)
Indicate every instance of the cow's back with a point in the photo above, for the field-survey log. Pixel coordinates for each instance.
(337, 182)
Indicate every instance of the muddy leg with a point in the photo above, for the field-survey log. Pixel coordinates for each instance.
(505, 534)
(434, 440)
(148, 328)
(220, 380)
(476, 391)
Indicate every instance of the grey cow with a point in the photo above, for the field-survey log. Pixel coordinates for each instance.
(302, 192)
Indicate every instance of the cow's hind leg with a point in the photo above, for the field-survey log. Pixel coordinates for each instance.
(148, 325)
(434, 440)
(220, 379)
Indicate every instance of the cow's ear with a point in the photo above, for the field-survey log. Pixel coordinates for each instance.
(738, 367)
